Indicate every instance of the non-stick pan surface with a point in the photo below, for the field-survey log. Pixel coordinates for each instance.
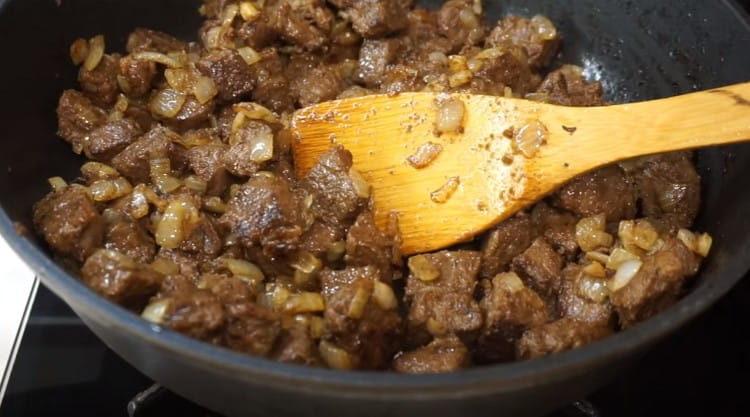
(639, 48)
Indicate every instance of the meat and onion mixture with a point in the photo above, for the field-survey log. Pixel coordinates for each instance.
(188, 213)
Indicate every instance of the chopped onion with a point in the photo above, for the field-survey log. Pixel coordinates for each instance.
(474, 65)
(138, 205)
(307, 262)
(165, 267)
(334, 356)
(530, 137)
(179, 79)
(444, 193)
(450, 116)
(490, 53)
(304, 302)
(108, 190)
(215, 205)
(317, 327)
(476, 6)
(624, 274)
(248, 11)
(456, 63)
(639, 233)
(57, 183)
(358, 303)
(96, 53)
(255, 111)
(590, 234)
(205, 89)
(196, 184)
(384, 296)
(230, 12)
(156, 312)
(618, 257)
(261, 147)
(595, 269)
(242, 268)
(436, 328)
(172, 227)
(703, 245)
(424, 155)
(249, 55)
(593, 288)
(336, 251)
(79, 51)
(423, 269)
(597, 256)
(468, 18)
(544, 27)
(438, 57)
(157, 57)
(509, 281)
(361, 187)
(167, 103)
(460, 78)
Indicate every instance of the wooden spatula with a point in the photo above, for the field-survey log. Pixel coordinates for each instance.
(490, 167)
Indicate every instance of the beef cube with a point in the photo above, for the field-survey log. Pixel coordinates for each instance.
(540, 266)
(442, 355)
(238, 158)
(446, 304)
(265, 211)
(187, 265)
(129, 238)
(110, 139)
(292, 24)
(335, 197)
(375, 18)
(256, 34)
(77, 116)
(367, 245)
(136, 76)
(206, 161)
(297, 346)
(558, 336)
(100, 84)
(374, 56)
(607, 190)
(192, 115)
(69, 222)
(319, 238)
(509, 308)
(457, 21)
(252, 329)
(363, 327)
(321, 83)
(669, 188)
(399, 79)
(203, 242)
(558, 228)
(271, 86)
(119, 278)
(657, 284)
(141, 114)
(198, 314)
(508, 240)
(133, 162)
(152, 40)
(230, 72)
(566, 86)
(508, 69)
(584, 298)
(537, 35)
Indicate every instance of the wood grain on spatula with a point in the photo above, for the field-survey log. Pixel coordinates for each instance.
(494, 179)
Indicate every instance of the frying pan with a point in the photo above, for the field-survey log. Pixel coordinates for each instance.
(639, 49)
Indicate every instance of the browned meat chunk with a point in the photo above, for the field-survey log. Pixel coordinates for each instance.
(367, 245)
(206, 161)
(129, 238)
(400, 78)
(296, 346)
(153, 40)
(358, 321)
(540, 266)
(374, 18)
(77, 117)
(508, 240)
(558, 228)
(457, 21)
(508, 69)
(446, 304)
(192, 115)
(271, 85)
(203, 242)
(133, 162)
(292, 24)
(537, 35)
(318, 84)
(136, 76)
(335, 199)
(69, 222)
(119, 278)
(320, 237)
(584, 298)
(374, 56)
(100, 84)
(558, 336)
(509, 308)
(110, 139)
(566, 86)
(264, 211)
(196, 313)
(445, 354)
(257, 34)
(252, 329)
(230, 72)
(607, 191)
(657, 284)
(669, 188)
(238, 158)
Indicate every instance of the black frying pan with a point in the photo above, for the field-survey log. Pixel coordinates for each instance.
(639, 48)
